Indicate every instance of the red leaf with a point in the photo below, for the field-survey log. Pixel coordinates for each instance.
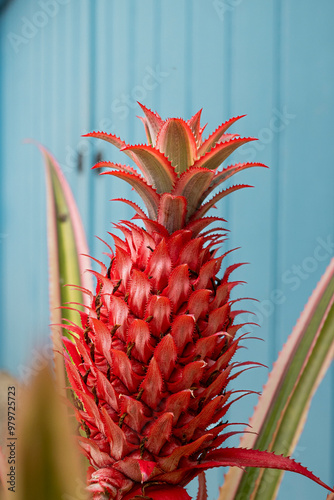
(104, 389)
(208, 271)
(209, 204)
(196, 226)
(171, 462)
(152, 385)
(139, 336)
(212, 140)
(113, 139)
(176, 241)
(172, 212)
(119, 447)
(178, 403)
(220, 152)
(162, 492)
(159, 267)
(158, 310)
(135, 417)
(178, 286)
(188, 377)
(159, 433)
(200, 421)
(241, 457)
(139, 211)
(152, 122)
(148, 194)
(182, 331)
(228, 172)
(202, 491)
(139, 292)
(118, 315)
(166, 356)
(198, 303)
(192, 184)
(192, 254)
(102, 338)
(122, 369)
(217, 320)
(195, 126)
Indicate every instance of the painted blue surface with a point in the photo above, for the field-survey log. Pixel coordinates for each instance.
(77, 65)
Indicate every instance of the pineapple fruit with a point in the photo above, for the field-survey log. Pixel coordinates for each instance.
(151, 362)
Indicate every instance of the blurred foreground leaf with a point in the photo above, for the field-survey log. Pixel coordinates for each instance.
(49, 464)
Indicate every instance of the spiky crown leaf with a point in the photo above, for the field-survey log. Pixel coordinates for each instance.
(178, 169)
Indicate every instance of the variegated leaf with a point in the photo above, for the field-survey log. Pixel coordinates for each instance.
(282, 409)
(67, 250)
(177, 142)
(213, 138)
(156, 168)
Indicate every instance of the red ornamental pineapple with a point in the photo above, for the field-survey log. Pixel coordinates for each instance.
(152, 360)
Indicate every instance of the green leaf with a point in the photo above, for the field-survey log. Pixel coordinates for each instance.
(281, 412)
(49, 464)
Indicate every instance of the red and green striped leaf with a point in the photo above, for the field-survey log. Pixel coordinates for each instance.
(213, 139)
(152, 122)
(154, 165)
(67, 250)
(172, 212)
(209, 204)
(228, 172)
(281, 412)
(149, 195)
(192, 185)
(177, 142)
(113, 139)
(116, 166)
(195, 126)
(220, 152)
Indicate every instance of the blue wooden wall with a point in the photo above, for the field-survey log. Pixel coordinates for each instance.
(71, 66)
